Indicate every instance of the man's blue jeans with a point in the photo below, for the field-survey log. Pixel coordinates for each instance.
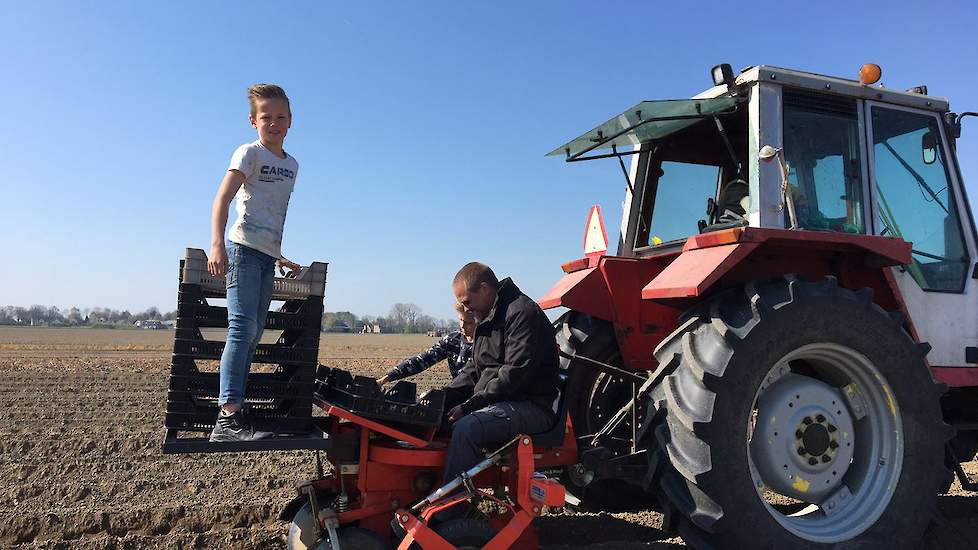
(249, 290)
(490, 427)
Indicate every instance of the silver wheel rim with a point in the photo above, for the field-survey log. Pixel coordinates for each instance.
(826, 434)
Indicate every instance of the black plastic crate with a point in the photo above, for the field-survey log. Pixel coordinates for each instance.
(193, 311)
(291, 348)
(362, 396)
(280, 401)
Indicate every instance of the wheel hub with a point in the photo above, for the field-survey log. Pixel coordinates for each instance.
(815, 440)
(803, 440)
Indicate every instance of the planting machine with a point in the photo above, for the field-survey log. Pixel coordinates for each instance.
(783, 352)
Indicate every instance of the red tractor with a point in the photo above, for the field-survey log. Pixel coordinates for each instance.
(783, 353)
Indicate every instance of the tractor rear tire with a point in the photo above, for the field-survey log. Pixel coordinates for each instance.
(302, 535)
(705, 421)
(595, 396)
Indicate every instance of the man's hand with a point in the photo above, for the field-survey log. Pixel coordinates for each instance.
(217, 262)
(283, 263)
(456, 413)
(383, 380)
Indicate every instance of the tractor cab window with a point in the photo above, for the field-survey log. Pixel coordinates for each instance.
(822, 150)
(914, 198)
(678, 200)
(693, 182)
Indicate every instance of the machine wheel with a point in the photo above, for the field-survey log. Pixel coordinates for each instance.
(302, 535)
(466, 534)
(799, 414)
(596, 397)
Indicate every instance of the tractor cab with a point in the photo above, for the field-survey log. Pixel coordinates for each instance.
(858, 159)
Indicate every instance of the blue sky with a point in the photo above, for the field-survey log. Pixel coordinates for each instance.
(420, 128)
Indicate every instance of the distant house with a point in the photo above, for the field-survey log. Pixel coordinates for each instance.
(150, 324)
(340, 326)
(372, 329)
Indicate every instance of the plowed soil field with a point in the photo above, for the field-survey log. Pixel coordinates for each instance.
(81, 415)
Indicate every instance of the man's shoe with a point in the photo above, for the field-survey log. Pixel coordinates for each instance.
(236, 427)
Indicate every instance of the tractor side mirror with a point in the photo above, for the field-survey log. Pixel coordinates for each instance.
(928, 147)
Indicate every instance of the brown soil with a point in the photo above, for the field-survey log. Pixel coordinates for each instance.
(80, 462)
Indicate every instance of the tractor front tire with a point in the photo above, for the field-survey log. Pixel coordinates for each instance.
(807, 375)
(595, 398)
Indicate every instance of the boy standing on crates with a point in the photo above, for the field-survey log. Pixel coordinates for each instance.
(261, 177)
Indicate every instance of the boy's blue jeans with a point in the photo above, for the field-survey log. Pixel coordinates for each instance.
(249, 290)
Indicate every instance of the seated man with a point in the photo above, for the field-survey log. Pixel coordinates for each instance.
(509, 386)
(455, 347)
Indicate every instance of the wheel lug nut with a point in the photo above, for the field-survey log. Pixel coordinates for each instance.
(807, 420)
(826, 458)
(801, 451)
(798, 434)
(820, 418)
(832, 428)
(812, 461)
(833, 445)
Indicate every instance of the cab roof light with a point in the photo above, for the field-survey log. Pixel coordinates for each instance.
(723, 74)
(870, 74)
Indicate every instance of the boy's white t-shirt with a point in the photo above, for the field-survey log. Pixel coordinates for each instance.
(263, 199)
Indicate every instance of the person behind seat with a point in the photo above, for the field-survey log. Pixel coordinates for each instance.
(509, 386)
(455, 347)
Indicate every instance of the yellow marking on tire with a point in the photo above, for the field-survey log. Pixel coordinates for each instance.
(800, 484)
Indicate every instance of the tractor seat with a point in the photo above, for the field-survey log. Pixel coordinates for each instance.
(555, 435)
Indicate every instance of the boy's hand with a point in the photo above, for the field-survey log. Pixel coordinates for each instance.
(283, 263)
(382, 380)
(217, 262)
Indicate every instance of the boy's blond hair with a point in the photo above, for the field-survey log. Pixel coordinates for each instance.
(267, 91)
(460, 309)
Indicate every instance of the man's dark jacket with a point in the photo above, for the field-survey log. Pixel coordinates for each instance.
(514, 357)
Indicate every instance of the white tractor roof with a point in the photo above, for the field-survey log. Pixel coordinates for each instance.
(841, 86)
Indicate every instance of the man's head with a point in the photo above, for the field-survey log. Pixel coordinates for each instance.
(466, 321)
(271, 113)
(475, 288)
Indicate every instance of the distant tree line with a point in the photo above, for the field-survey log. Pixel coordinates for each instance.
(402, 318)
(36, 315)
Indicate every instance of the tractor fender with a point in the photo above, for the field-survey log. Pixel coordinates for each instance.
(713, 261)
(644, 297)
(610, 288)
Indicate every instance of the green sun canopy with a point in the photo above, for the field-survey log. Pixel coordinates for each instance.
(647, 121)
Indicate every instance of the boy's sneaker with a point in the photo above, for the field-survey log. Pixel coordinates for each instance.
(236, 427)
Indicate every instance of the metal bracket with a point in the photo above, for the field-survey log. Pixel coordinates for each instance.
(604, 367)
(855, 401)
(962, 476)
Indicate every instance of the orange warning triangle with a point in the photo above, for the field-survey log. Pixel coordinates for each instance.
(595, 237)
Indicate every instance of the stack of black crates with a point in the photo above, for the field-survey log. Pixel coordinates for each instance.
(279, 401)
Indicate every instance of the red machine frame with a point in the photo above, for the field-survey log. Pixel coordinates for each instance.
(381, 464)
